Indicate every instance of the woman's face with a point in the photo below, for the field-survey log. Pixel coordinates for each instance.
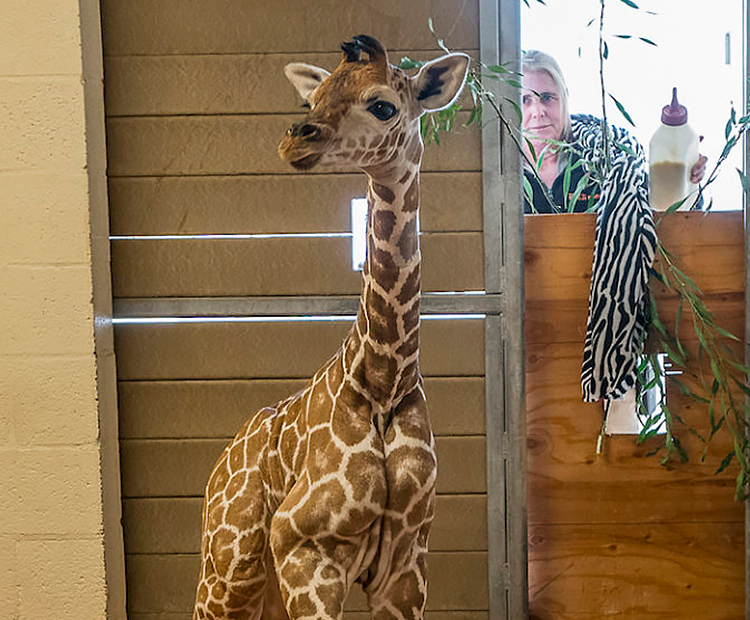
(542, 107)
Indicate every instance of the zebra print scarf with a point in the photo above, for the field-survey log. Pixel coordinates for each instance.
(624, 249)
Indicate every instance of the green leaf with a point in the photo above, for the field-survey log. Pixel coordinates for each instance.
(725, 333)
(725, 463)
(623, 36)
(630, 3)
(497, 69)
(527, 190)
(728, 129)
(517, 109)
(649, 41)
(742, 386)
(532, 150)
(407, 63)
(605, 52)
(744, 181)
(622, 109)
(582, 183)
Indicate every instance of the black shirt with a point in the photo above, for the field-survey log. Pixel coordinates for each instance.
(542, 195)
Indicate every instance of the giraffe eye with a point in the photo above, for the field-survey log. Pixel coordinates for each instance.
(382, 110)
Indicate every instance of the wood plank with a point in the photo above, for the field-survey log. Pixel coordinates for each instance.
(277, 350)
(141, 27)
(624, 484)
(585, 572)
(565, 273)
(194, 409)
(166, 583)
(172, 526)
(348, 615)
(675, 230)
(277, 204)
(215, 83)
(180, 468)
(277, 266)
(226, 145)
(564, 321)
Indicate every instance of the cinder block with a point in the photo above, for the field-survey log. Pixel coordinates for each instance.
(49, 401)
(42, 124)
(50, 309)
(9, 579)
(62, 578)
(40, 37)
(51, 491)
(45, 218)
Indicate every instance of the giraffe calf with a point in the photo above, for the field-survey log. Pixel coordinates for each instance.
(336, 484)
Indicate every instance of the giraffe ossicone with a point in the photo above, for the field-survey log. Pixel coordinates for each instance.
(335, 485)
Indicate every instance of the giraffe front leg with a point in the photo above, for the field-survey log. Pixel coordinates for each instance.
(400, 590)
(234, 546)
(405, 594)
(320, 545)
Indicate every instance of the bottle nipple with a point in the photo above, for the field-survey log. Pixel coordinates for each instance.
(674, 114)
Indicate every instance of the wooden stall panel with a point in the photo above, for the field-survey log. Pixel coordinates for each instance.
(559, 253)
(201, 205)
(195, 27)
(277, 350)
(221, 145)
(217, 409)
(278, 266)
(624, 484)
(218, 83)
(180, 468)
(564, 321)
(633, 572)
(616, 534)
(172, 525)
(156, 584)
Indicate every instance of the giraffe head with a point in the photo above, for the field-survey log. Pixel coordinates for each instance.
(364, 112)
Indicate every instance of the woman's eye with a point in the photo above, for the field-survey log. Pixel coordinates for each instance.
(547, 98)
(382, 110)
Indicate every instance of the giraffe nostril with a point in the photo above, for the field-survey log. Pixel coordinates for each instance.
(307, 131)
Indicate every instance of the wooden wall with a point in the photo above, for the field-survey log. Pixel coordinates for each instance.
(617, 535)
(196, 105)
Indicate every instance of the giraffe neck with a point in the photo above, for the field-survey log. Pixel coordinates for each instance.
(385, 340)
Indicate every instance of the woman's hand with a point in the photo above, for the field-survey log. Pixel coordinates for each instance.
(698, 170)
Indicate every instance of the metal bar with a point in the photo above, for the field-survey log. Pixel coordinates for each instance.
(746, 205)
(181, 307)
(514, 349)
(497, 508)
(504, 334)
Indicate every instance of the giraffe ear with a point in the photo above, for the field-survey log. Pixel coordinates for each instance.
(305, 78)
(439, 82)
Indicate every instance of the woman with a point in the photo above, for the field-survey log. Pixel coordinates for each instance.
(546, 117)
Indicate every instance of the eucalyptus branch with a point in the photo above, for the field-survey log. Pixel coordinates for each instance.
(717, 388)
(603, 53)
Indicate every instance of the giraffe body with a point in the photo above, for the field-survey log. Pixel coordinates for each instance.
(335, 485)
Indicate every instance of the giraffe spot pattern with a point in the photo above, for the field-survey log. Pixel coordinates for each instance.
(383, 223)
(384, 193)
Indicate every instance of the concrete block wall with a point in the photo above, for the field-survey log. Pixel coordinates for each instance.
(58, 526)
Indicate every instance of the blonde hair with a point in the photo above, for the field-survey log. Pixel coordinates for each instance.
(534, 60)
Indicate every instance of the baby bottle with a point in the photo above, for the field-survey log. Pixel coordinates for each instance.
(673, 151)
